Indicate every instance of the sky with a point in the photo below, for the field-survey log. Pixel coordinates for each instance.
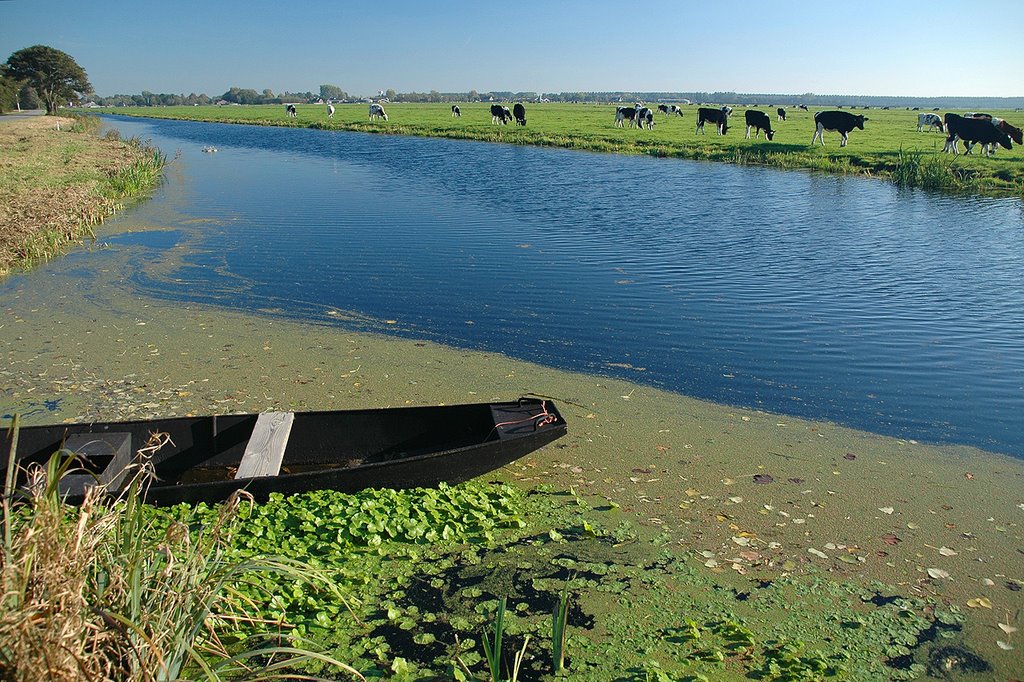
(864, 47)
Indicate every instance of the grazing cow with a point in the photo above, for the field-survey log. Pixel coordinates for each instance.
(758, 120)
(669, 109)
(802, 106)
(841, 122)
(782, 114)
(971, 114)
(290, 109)
(645, 118)
(330, 111)
(519, 111)
(717, 116)
(377, 111)
(500, 114)
(1014, 132)
(973, 131)
(928, 121)
(625, 114)
(456, 112)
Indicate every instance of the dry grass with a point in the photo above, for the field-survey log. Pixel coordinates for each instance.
(94, 593)
(54, 185)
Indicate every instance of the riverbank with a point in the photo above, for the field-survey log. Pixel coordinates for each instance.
(744, 499)
(889, 147)
(58, 179)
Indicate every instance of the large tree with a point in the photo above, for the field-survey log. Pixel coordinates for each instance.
(54, 74)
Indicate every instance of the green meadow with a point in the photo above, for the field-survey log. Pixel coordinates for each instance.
(889, 147)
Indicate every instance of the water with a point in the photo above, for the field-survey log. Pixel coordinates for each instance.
(898, 312)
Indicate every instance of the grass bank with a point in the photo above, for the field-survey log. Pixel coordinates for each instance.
(889, 148)
(59, 178)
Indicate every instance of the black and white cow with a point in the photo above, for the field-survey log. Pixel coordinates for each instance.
(500, 114)
(758, 120)
(377, 111)
(973, 131)
(290, 110)
(623, 114)
(841, 122)
(928, 121)
(782, 113)
(669, 109)
(645, 118)
(519, 111)
(330, 111)
(717, 116)
(456, 112)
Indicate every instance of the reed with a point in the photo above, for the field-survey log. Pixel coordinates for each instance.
(93, 593)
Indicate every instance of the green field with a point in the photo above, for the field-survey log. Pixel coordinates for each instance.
(889, 147)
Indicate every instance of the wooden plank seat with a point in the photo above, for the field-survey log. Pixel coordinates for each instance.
(97, 447)
(265, 450)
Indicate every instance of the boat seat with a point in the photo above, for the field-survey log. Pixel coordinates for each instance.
(96, 446)
(265, 450)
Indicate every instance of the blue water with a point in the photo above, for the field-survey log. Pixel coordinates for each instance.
(898, 312)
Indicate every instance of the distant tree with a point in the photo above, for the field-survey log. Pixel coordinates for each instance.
(391, 94)
(332, 92)
(9, 88)
(242, 96)
(55, 76)
(268, 94)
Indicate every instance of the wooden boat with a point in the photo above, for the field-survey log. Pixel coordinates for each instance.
(211, 457)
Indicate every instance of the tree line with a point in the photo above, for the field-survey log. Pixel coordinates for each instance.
(42, 75)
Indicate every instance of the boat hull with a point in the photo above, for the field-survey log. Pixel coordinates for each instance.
(338, 450)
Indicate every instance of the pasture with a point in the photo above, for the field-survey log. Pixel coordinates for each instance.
(889, 147)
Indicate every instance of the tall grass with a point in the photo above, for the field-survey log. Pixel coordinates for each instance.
(91, 592)
(141, 175)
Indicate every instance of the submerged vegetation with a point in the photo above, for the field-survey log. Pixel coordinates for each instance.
(884, 149)
(59, 178)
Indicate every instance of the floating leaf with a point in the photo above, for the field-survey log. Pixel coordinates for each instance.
(763, 479)
(850, 456)
(1007, 628)
(728, 481)
(798, 481)
(891, 539)
(736, 500)
(742, 542)
(980, 603)
(886, 510)
(1004, 645)
(946, 551)
(988, 582)
(938, 573)
(817, 553)
(913, 526)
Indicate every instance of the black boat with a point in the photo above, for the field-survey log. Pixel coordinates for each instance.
(210, 457)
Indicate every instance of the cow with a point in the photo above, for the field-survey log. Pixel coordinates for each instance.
(377, 111)
(330, 111)
(645, 118)
(717, 116)
(519, 111)
(972, 114)
(456, 112)
(727, 110)
(1014, 132)
(782, 113)
(928, 121)
(758, 120)
(973, 131)
(841, 122)
(669, 109)
(623, 114)
(290, 110)
(500, 114)
(802, 106)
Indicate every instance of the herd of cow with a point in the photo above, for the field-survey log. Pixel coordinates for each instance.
(972, 128)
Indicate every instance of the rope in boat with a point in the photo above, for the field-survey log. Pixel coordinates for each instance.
(544, 416)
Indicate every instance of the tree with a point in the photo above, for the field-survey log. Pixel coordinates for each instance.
(332, 92)
(55, 76)
(8, 91)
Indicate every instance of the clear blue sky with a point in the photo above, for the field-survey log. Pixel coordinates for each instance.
(876, 47)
